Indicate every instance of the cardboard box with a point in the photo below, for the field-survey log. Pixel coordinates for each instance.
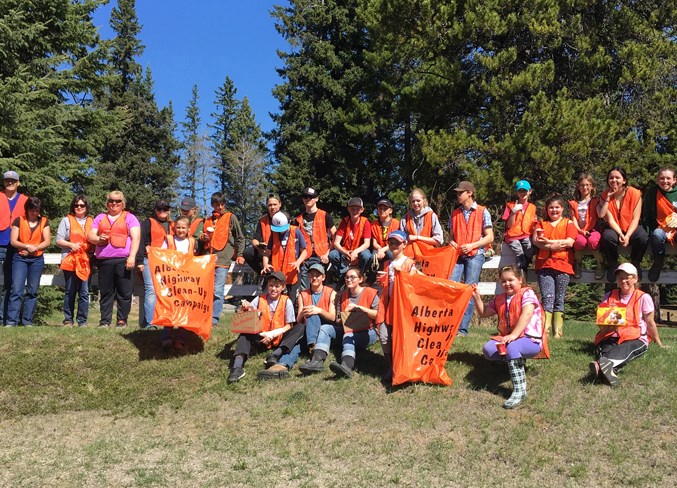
(355, 320)
(611, 317)
(246, 322)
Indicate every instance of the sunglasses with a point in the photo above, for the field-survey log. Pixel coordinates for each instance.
(162, 209)
(79, 205)
(114, 201)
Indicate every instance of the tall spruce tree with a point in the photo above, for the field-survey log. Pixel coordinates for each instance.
(222, 138)
(190, 129)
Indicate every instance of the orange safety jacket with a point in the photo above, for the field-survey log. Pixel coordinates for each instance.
(158, 232)
(426, 230)
(221, 225)
(117, 231)
(385, 313)
(269, 323)
(525, 220)
(591, 216)
(320, 240)
(380, 234)
(77, 234)
(28, 237)
(281, 259)
(623, 216)
(7, 217)
(558, 231)
(664, 211)
(265, 228)
(507, 320)
(171, 244)
(352, 243)
(193, 227)
(633, 314)
(470, 231)
(325, 298)
(365, 300)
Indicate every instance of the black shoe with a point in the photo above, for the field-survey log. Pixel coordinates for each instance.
(275, 372)
(311, 367)
(340, 370)
(655, 270)
(236, 374)
(594, 369)
(611, 272)
(607, 368)
(271, 360)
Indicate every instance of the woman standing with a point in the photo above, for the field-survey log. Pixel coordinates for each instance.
(71, 237)
(116, 235)
(30, 236)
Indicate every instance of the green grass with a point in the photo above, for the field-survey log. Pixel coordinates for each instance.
(101, 407)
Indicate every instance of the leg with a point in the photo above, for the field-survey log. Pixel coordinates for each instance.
(124, 284)
(561, 283)
(149, 297)
(253, 259)
(70, 279)
(363, 259)
(18, 284)
(312, 329)
(658, 240)
(303, 272)
(519, 383)
(35, 267)
(608, 245)
(638, 241)
(9, 253)
(385, 337)
(339, 262)
(106, 290)
(219, 285)
(83, 301)
(546, 283)
(324, 338)
(473, 268)
(351, 342)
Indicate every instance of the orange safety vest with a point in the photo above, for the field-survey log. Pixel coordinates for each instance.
(158, 232)
(558, 231)
(623, 216)
(525, 220)
(78, 234)
(505, 321)
(385, 313)
(380, 234)
(193, 227)
(320, 240)
(664, 211)
(426, 230)
(282, 258)
(265, 228)
(221, 233)
(325, 298)
(365, 300)
(171, 244)
(633, 313)
(28, 237)
(470, 231)
(352, 243)
(591, 216)
(269, 323)
(117, 231)
(6, 218)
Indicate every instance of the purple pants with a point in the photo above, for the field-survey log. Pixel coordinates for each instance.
(591, 242)
(521, 348)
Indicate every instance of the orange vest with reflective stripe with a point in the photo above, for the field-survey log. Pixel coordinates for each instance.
(117, 231)
(352, 243)
(525, 220)
(514, 311)
(623, 216)
(171, 244)
(591, 216)
(158, 232)
(633, 314)
(470, 231)
(221, 231)
(325, 298)
(6, 218)
(282, 258)
(320, 240)
(377, 231)
(28, 237)
(365, 300)
(269, 323)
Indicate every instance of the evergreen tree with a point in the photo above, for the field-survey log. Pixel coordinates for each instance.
(223, 140)
(191, 146)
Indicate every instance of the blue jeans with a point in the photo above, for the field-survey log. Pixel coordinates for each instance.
(75, 286)
(467, 269)
(219, 283)
(341, 263)
(26, 272)
(658, 239)
(350, 342)
(149, 297)
(6, 255)
(312, 330)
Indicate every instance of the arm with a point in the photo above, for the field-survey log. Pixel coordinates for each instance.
(135, 234)
(522, 322)
(636, 214)
(482, 311)
(62, 235)
(46, 238)
(652, 329)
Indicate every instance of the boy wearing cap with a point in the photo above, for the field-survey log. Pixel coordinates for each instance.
(470, 231)
(277, 318)
(381, 229)
(316, 306)
(222, 236)
(351, 244)
(154, 231)
(520, 220)
(254, 253)
(286, 252)
(318, 230)
(11, 207)
(188, 208)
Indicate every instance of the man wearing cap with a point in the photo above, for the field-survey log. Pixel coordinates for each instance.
(188, 208)
(254, 253)
(286, 252)
(318, 230)
(470, 231)
(154, 231)
(520, 220)
(381, 228)
(351, 244)
(11, 207)
(222, 235)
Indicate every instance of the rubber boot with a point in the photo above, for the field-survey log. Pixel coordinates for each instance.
(656, 267)
(388, 375)
(578, 256)
(557, 324)
(519, 383)
(599, 270)
(548, 323)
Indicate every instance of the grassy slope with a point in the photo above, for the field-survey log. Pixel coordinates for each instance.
(97, 407)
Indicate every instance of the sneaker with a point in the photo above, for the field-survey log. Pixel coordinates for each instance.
(121, 324)
(599, 273)
(655, 272)
(312, 367)
(67, 323)
(340, 370)
(236, 374)
(104, 325)
(274, 372)
(607, 369)
(271, 360)
(83, 324)
(594, 369)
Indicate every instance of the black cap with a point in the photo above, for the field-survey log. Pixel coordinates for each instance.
(187, 203)
(162, 204)
(310, 192)
(385, 201)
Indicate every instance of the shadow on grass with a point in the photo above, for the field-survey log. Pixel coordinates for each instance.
(484, 374)
(148, 344)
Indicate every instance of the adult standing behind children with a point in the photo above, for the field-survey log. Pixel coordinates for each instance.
(154, 231)
(352, 241)
(254, 253)
(318, 230)
(420, 222)
(117, 236)
(621, 206)
(188, 208)
(470, 231)
(659, 216)
(381, 229)
(222, 236)
(520, 219)
(11, 206)
(71, 237)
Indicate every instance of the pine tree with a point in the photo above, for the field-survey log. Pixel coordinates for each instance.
(227, 107)
(190, 129)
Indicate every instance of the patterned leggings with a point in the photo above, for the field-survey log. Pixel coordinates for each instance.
(553, 285)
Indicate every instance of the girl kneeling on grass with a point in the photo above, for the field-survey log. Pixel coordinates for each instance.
(520, 327)
(616, 346)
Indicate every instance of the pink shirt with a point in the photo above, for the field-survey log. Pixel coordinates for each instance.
(645, 307)
(108, 251)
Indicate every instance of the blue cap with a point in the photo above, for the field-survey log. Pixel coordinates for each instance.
(399, 235)
(522, 185)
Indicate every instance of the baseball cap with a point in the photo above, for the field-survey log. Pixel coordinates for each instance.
(277, 275)
(465, 186)
(162, 204)
(187, 203)
(628, 268)
(310, 192)
(279, 222)
(355, 202)
(522, 185)
(385, 201)
(10, 175)
(399, 235)
(317, 267)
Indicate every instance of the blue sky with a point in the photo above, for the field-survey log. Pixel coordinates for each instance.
(204, 41)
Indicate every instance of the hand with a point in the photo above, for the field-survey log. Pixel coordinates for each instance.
(295, 265)
(267, 269)
(30, 249)
(103, 239)
(266, 340)
(381, 253)
(75, 246)
(509, 338)
(239, 260)
(623, 240)
(476, 292)
(517, 207)
(324, 258)
(205, 237)
(467, 248)
(352, 306)
(131, 261)
(140, 268)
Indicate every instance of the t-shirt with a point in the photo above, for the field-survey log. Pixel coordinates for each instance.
(309, 218)
(108, 251)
